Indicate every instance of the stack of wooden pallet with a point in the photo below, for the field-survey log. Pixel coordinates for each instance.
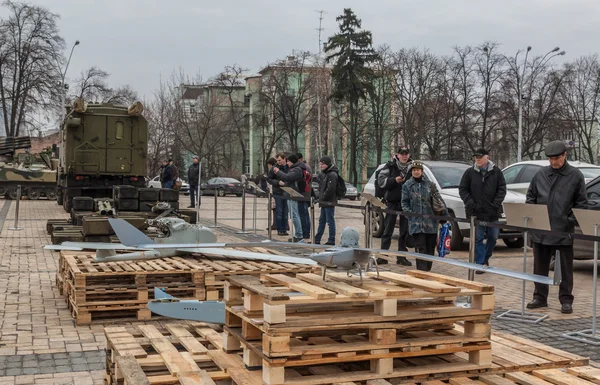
(100, 291)
(391, 321)
(174, 354)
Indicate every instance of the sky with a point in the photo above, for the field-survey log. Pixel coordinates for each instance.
(141, 41)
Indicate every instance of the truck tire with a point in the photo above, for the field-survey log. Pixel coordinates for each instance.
(51, 194)
(34, 194)
(2, 190)
(67, 203)
(59, 197)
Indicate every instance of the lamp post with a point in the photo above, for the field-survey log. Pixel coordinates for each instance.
(520, 81)
(63, 86)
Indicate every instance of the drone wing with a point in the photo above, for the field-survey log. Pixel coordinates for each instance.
(78, 246)
(238, 254)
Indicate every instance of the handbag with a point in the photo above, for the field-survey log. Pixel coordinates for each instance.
(177, 185)
(437, 202)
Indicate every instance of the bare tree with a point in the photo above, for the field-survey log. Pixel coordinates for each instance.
(160, 113)
(93, 86)
(30, 57)
(289, 86)
(580, 99)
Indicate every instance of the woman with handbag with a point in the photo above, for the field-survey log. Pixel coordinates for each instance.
(420, 196)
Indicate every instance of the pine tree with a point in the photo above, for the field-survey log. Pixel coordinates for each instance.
(351, 51)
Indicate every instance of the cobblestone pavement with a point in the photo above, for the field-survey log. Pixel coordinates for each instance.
(40, 344)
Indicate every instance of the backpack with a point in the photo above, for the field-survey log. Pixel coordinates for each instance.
(340, 189)
(379, 191)
(305, 185)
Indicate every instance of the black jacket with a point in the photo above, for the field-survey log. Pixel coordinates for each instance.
(167, 174)
(483, 192)
(293, 176)
(273, 180)
(561, 190)
(193, 174)
(328, 181)
(387, 180)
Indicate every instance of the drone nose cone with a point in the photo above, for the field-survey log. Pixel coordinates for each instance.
(323, 259)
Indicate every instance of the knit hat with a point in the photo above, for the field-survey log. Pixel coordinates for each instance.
(326, 160)
(293, 158)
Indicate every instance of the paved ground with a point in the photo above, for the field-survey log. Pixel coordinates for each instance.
(40, 344)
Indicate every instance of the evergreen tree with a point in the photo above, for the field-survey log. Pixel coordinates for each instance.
(351, 51)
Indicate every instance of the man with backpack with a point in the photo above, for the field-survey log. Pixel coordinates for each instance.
(305, 187)
(293, 178)
(388, 186)
(328, 196)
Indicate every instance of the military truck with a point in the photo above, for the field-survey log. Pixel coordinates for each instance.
(33, 172)
(101, 146)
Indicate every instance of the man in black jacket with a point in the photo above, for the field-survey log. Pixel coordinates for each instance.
(561, 187)
(193, 181)
(292, 179)
(281, 206)
(483, 189)
(328, 181)
(391, 178)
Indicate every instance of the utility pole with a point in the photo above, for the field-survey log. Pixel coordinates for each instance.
(319, 144)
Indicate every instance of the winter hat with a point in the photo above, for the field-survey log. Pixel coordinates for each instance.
(293, 158)
(417, 164)
(327, 160)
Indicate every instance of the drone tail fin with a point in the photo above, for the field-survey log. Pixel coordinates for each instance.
(128, 234)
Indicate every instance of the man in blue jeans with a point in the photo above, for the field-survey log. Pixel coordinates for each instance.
(292, 179)
(482, 189)
(328, 181)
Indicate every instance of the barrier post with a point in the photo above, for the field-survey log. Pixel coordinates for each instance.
(215, 226)
(243, 231)
(16, 225)
(368, 225)
(472, 238)
(312, 221)
(270, 215)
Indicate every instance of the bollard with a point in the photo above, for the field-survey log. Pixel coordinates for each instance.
(270, 216)
(368, 225)
(198, 191)
(312, 221)
(472, 237)
(254, 213)
(16, 226)
(243, 211)
(215, 226)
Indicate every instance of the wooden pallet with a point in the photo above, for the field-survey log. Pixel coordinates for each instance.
(282, 322)
(511, 357)
(177, 354)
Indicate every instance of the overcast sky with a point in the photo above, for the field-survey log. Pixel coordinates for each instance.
(138, 41)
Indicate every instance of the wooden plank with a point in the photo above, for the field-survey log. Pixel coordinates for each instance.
(589, 373)
(195, 378)
(558, 377)
(174, 361)
(406, 280)
(253, 284)
(131, 371)
(464, 381)
(525, 341)
(301, 286)
(483, 287)
(496, 380)
(186, 338)
(339, 287)
(526, 379)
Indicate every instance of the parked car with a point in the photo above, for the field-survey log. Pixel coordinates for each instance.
(222, 186)
(155, 183)
(351, 191)
(447, 176)
(518, 176)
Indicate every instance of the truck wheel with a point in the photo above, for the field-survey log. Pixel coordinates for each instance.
(2, 190)
(67, 203)
(59, 197)
(12, 193)
(33, 194)
(51, 194)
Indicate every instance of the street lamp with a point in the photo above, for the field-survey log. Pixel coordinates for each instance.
(520, 91)
(63, 86)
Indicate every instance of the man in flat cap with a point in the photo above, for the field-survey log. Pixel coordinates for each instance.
(561, 187)
(483, 189)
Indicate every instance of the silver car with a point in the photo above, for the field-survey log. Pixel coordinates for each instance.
(447, 176)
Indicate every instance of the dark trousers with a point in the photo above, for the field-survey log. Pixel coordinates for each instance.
(389, 227)
(281, 214)
(425, 244)
(304, 218)
(327, 217)
(541, 266)
(193, 191)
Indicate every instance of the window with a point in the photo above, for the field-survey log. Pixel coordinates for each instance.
(212, 181)
(246, 100)
(510, 174)
(593, 191)
(528, 174)
(589, 172)
(119, 127)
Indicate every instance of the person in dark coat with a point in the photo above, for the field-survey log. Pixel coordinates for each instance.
(391, 178)
(303, 205)
(168, 174)
(292, 179)
(163, 167)
(483, 189)
(193, 180)
(328, 181)
(561, 187)
(281, 206)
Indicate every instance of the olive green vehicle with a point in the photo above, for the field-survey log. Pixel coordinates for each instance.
(33, 172)
(101, 145)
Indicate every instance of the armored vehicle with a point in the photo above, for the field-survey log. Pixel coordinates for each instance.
(33, 172)
(101, 146)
